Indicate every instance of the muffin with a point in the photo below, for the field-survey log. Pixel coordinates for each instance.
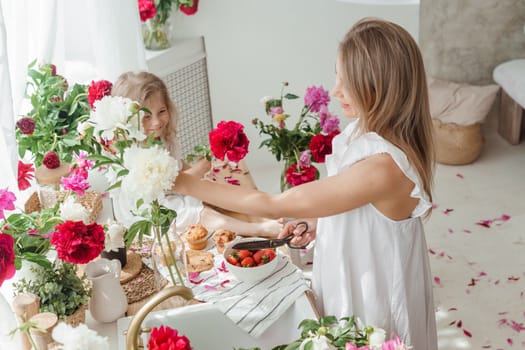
(197, 236)
(221, 237)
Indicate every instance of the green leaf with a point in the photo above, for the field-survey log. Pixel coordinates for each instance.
(291, 96)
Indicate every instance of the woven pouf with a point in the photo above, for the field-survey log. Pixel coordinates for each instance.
(457, 144)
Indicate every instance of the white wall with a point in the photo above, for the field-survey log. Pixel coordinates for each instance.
(254, 45)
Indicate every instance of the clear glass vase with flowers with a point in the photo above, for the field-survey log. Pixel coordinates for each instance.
(156, 20)
(309, 140)
(141, 169)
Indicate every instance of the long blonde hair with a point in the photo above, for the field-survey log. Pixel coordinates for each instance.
(384, 74)
(139, 86)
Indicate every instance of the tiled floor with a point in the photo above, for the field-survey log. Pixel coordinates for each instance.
(479, 272)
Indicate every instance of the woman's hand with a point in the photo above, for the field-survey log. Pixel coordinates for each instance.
(200, 168)
(289, 228)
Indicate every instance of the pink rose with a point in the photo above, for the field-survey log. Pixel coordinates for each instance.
(315, 97)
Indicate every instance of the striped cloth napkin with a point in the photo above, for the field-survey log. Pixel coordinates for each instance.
(253, 306)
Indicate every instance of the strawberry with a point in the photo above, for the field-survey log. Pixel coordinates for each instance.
(244, 254)
(247, 262)
(51, 160)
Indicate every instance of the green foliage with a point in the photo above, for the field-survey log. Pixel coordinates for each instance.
(60, 289)
(57, 111)
(201, 151)
(29, 231)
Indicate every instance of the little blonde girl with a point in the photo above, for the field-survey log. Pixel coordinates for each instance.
(151, 92)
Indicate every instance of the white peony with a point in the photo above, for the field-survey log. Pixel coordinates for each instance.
(111, 113)
(318, 343)
(79, 338)
(114, 236)
(377, 338)
(70, 209)
(151, 172)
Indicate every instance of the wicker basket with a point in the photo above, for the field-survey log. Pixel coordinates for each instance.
(92, 201)
(457, 144)
(77, 317)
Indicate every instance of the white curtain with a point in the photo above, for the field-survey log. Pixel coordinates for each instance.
(86, 40)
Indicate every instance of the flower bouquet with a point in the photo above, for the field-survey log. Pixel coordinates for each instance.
(329, 333)
(309, 140)
(155, 15)
(140, 167)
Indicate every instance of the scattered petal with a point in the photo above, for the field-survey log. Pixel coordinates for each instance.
(437, 281)
(509, 341)
(460, 323)
(431, 251)
(447, 211)
(452, 323)
(223, 267)
(434, 206)
(233, 182)
(460, 176)
(452, 309)
(450, 230)
(466, 231)
(504, 217)
(484, 223)
(224, 283)
(467, 333)
(209, 287)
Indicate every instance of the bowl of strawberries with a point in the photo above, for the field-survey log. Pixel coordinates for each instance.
(250, 265)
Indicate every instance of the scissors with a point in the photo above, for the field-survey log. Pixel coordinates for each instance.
(273, 243)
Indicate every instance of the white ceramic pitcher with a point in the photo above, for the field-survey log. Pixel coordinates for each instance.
(108, 301)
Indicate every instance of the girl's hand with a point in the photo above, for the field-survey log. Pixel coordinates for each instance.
(307, 237)
(200, 168)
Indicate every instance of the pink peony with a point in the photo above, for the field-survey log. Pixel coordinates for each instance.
(7, 201)
(228, 140)
(97, 90)
(7, 257)
(76, 182)
(166, 338)
(24, 175)
(147, 10)
(296, 176)
(78, 243)
(315, 97)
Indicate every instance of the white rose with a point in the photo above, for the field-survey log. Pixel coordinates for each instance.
(318, 343)
(70, 209)
(114, 237)
(377, 338)
(264, 100)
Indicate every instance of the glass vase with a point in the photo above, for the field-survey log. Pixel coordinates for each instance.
(284, 184)
(157, 33)
(168, 259)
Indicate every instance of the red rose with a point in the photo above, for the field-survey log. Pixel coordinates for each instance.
(147, 10)
(53, 69)
(190, 10)
(7, 257)
(166, 338)
(229, 140)
(51, 160)
(97, 90)
(77, 242)
(24, 175)
(26, 125)
(296, 177)
(321, 146)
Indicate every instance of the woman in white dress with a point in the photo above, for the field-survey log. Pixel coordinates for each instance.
(151, 92)
(370, 257)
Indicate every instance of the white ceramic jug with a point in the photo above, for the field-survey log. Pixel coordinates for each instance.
(108, 301)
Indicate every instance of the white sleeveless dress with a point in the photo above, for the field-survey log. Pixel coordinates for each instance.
(370, 266)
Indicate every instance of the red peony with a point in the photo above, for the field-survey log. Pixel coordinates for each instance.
(190, 10)
(229, 140)
(147, 10)
(296, 177)
(321, 146)
(97, 90)
(51, 160)
(53, 69)
(166, 338)
(78, 243)
(7, 257)
(26, 125)
(24, 175)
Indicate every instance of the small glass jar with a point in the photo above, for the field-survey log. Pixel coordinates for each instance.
(48, 183)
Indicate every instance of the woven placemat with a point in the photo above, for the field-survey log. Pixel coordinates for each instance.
(142, 286)
(132, 267)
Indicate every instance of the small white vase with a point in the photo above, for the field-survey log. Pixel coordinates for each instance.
(108, 301)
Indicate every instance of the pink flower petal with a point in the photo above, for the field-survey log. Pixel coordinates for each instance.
(225, 282)
(208, 287)
(504, 217)
(509, 341)
(466, 231)
(450, 230)
(447, 211)
(434, 206)
(431, 251)
(452, 309)
(484, 223)
(223, 267)
(437, 281)
(460, 176)
(233, 182)
(467, 333)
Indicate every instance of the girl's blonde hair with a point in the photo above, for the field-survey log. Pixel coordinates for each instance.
(139, 86)
(384, 74)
